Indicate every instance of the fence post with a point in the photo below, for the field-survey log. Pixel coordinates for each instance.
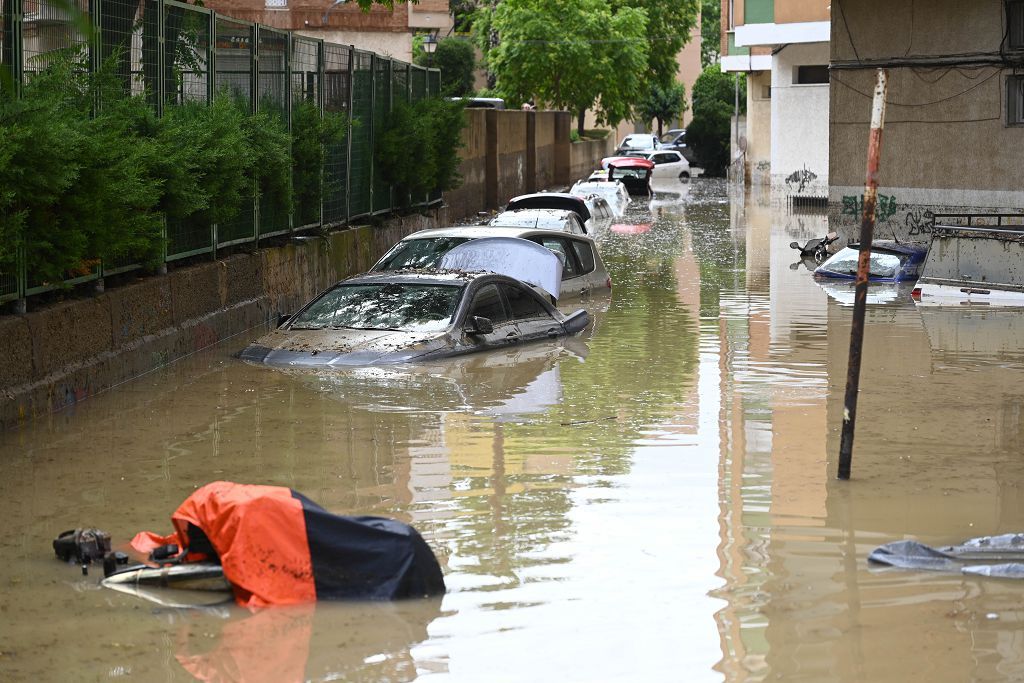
(211, 59)
(13, 44)
(254, 107)
(373, 129)
(95, 46)
(288, 122)
(348, 134)
(161, 57)
(21, 258)
(321, 103)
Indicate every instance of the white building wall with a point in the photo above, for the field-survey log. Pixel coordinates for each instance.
(799, 133)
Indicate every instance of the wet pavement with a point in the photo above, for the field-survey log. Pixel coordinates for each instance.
(655, 500)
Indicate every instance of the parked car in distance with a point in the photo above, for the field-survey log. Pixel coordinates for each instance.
(583, 271)
(675, 139)
(480, 102)
(638, 142)
(668, 164)
(388, 318)
(890, 262)
(561, 220)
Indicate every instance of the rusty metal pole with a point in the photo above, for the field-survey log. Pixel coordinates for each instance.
(867, 230)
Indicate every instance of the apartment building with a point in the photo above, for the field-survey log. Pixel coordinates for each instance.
(783, 48)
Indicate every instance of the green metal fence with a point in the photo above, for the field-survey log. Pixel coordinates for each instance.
(172, 53)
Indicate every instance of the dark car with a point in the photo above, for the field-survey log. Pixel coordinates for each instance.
(633, 172)
(675, 139)
(412, 316)
(890, 262)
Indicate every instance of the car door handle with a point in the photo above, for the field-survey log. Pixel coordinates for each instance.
(512, 336)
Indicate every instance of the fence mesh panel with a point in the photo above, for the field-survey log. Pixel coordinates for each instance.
(306, 172)
(272, 91)
(233, 66)
(362, 135)
(336, 103)
(187, 51)
(49, 33)
(381, 111)
(172, 53)
(419, 83)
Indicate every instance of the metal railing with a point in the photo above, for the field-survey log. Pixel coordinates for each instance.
(173, 52)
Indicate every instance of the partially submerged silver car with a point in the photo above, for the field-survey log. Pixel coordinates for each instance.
(583, 271)
(384, 318)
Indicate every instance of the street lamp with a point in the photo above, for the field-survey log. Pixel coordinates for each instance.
(429, 45)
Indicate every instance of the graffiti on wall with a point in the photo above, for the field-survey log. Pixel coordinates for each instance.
(885, 208)
(919, 222)
(801, 178)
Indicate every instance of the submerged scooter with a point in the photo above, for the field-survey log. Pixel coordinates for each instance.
(814, 252)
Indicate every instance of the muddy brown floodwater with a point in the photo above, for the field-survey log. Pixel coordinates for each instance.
(653, 501)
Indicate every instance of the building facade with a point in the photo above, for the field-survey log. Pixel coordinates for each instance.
(954, 124)
(384, 31)
(783, 48)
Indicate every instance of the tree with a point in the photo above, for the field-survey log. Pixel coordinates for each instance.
(710, 31)
(574, 54)
(454, 57)
(713, 103)
(663, 104)
(669, 23)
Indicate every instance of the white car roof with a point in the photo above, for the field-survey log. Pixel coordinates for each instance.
(480, 231)
(550, 219)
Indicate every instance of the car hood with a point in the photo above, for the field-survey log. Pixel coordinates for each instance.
(326, 347)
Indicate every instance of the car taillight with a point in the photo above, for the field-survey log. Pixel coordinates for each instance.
(916, 294)
(608, 283)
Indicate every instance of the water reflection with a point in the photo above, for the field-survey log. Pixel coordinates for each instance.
(662, 488)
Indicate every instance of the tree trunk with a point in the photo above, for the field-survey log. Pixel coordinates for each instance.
(659, 127)
(580, 120)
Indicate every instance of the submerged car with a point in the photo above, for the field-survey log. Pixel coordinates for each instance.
(633, 172)
(974, 264)
(583, 271)
(614, 193)
(385, 318)
(668, 165)
(890, 262)
(561, 220)
(591, 209)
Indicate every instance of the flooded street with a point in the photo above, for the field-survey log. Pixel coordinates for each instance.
(653, 501)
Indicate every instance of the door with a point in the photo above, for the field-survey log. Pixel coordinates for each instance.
(531, 315)
(488, 303)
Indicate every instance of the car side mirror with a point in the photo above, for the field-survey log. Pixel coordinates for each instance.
(479, 325)
(282, 318)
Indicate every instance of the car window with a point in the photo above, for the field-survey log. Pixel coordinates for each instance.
(487, 304)
(558, 246)
(585, 253)
(390, 306)
(664, 158)
(847, 260)
(418, 253)
(524, 305)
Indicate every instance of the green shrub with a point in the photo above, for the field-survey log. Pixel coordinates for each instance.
(418, 149)
(312, 136)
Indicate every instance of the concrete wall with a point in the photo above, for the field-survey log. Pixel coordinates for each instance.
(585, 156)
(946, 146)
(759, 128)
(64, 353)
(799, 133)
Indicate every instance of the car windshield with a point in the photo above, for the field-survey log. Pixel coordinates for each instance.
(420, 253)
(845, 262)
(410, 307)
(637, 141)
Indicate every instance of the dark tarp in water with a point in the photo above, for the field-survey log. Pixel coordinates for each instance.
(278, 547)
(998, 556)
